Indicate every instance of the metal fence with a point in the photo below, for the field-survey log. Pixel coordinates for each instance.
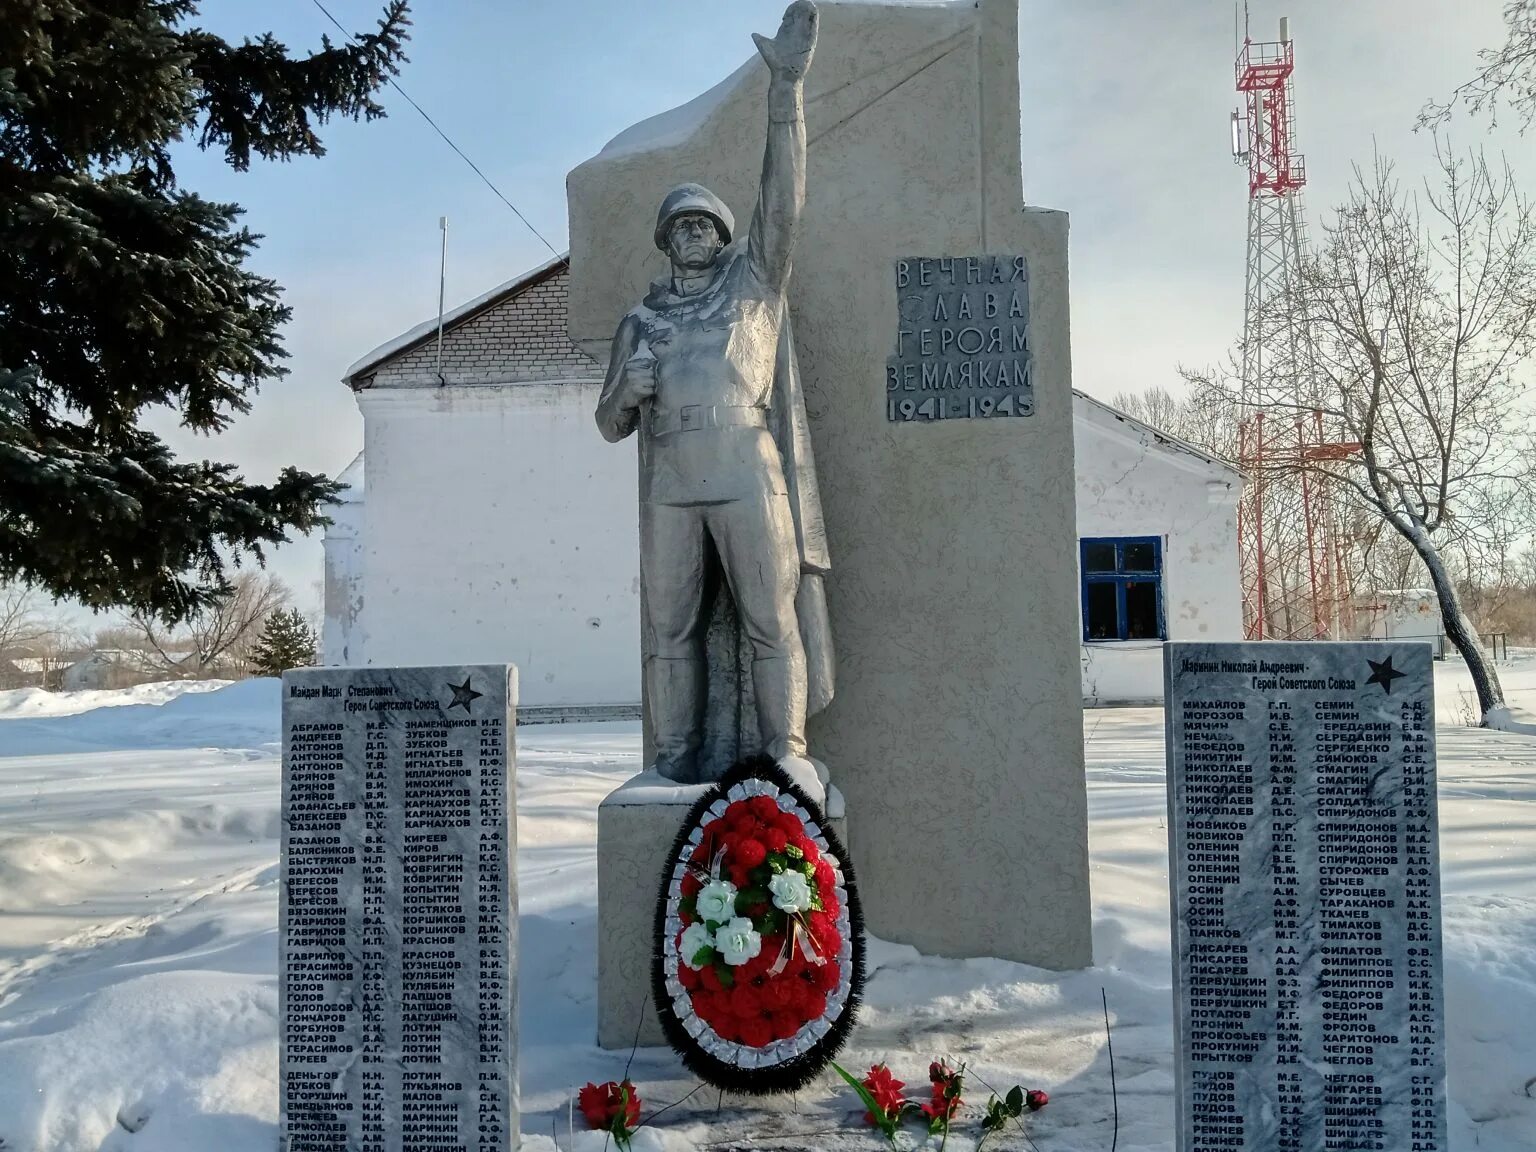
(1497, 644)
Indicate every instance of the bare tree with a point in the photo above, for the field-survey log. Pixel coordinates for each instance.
(63, 641)
(21, 620)
(219, 636)
(1201, 416)
(1507, 73)
(1421, 317)
(1386, 562)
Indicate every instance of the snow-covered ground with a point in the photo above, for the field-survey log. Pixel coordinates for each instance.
(138, 940)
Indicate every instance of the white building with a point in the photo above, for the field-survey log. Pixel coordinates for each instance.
(1402, 614)
(496, 525)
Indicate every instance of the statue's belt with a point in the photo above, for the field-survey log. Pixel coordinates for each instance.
(692, 417)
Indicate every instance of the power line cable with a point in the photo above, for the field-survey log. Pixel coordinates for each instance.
(475, 167)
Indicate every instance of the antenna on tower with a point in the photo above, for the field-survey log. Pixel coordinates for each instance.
(1295, 583)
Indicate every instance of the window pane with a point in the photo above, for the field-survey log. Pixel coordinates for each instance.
(1140, 556)
(1103, 621)
(1141, 610)
(1098, 557)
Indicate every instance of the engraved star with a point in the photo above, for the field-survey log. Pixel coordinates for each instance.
(463, 694)
(1383, 673)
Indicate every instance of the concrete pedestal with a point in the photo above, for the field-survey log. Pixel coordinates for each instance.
(636, 826)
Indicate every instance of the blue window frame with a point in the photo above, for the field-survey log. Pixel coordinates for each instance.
(1122, 588)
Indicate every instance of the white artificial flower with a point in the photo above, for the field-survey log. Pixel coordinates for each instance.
(717, 901)
(791, 892)
(695, 937)
(737, 942)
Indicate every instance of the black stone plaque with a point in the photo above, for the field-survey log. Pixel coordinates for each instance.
(398, 915)
(962, 340)
(1304, 863)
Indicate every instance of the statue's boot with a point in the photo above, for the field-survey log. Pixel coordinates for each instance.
(780, 690)
(675, 691)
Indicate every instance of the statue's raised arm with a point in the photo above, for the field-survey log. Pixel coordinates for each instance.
(781, 193)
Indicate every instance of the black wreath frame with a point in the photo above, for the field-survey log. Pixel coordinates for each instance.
(794, 1074)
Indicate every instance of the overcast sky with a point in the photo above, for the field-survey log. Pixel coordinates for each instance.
(1126, 110)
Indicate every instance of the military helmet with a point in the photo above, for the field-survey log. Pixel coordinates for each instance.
(693, 198)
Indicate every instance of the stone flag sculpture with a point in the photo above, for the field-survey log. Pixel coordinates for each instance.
(761, 960)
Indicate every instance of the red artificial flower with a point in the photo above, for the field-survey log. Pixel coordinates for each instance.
(610, 1107)
(757, 967)
(945, 1085)
(815, 1005)
(763, 807)
(709, 978)
(757, 1032)
(1035, 1099)
(775, 839)
(824, 935)
(750, 853)
(776, 994)
(942, 1108)
(739, 819)
(827, 977)
(746, 1000)
(886, 1091)
(785, 1024)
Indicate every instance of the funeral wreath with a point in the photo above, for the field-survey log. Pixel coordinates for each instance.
(761, 958)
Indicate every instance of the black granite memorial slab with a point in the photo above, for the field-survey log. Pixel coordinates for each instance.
(398, 914)
(1304, 864)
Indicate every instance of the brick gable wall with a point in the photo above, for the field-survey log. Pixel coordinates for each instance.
(521, 338)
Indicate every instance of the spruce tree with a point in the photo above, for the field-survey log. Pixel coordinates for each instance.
(120, 289)
(286, 641)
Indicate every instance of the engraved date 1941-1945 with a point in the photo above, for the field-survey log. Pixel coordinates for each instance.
(958, 407)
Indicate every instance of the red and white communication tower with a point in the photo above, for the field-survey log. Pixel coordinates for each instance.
(1294, 572)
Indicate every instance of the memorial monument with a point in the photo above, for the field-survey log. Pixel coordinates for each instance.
(398, 917)
(1304, 859)
(930, 350)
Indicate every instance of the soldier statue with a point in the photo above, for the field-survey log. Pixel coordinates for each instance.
(705, 370)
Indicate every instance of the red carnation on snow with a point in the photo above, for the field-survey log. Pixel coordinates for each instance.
(886, 1092)
(611, 1107)
(946, 1084)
